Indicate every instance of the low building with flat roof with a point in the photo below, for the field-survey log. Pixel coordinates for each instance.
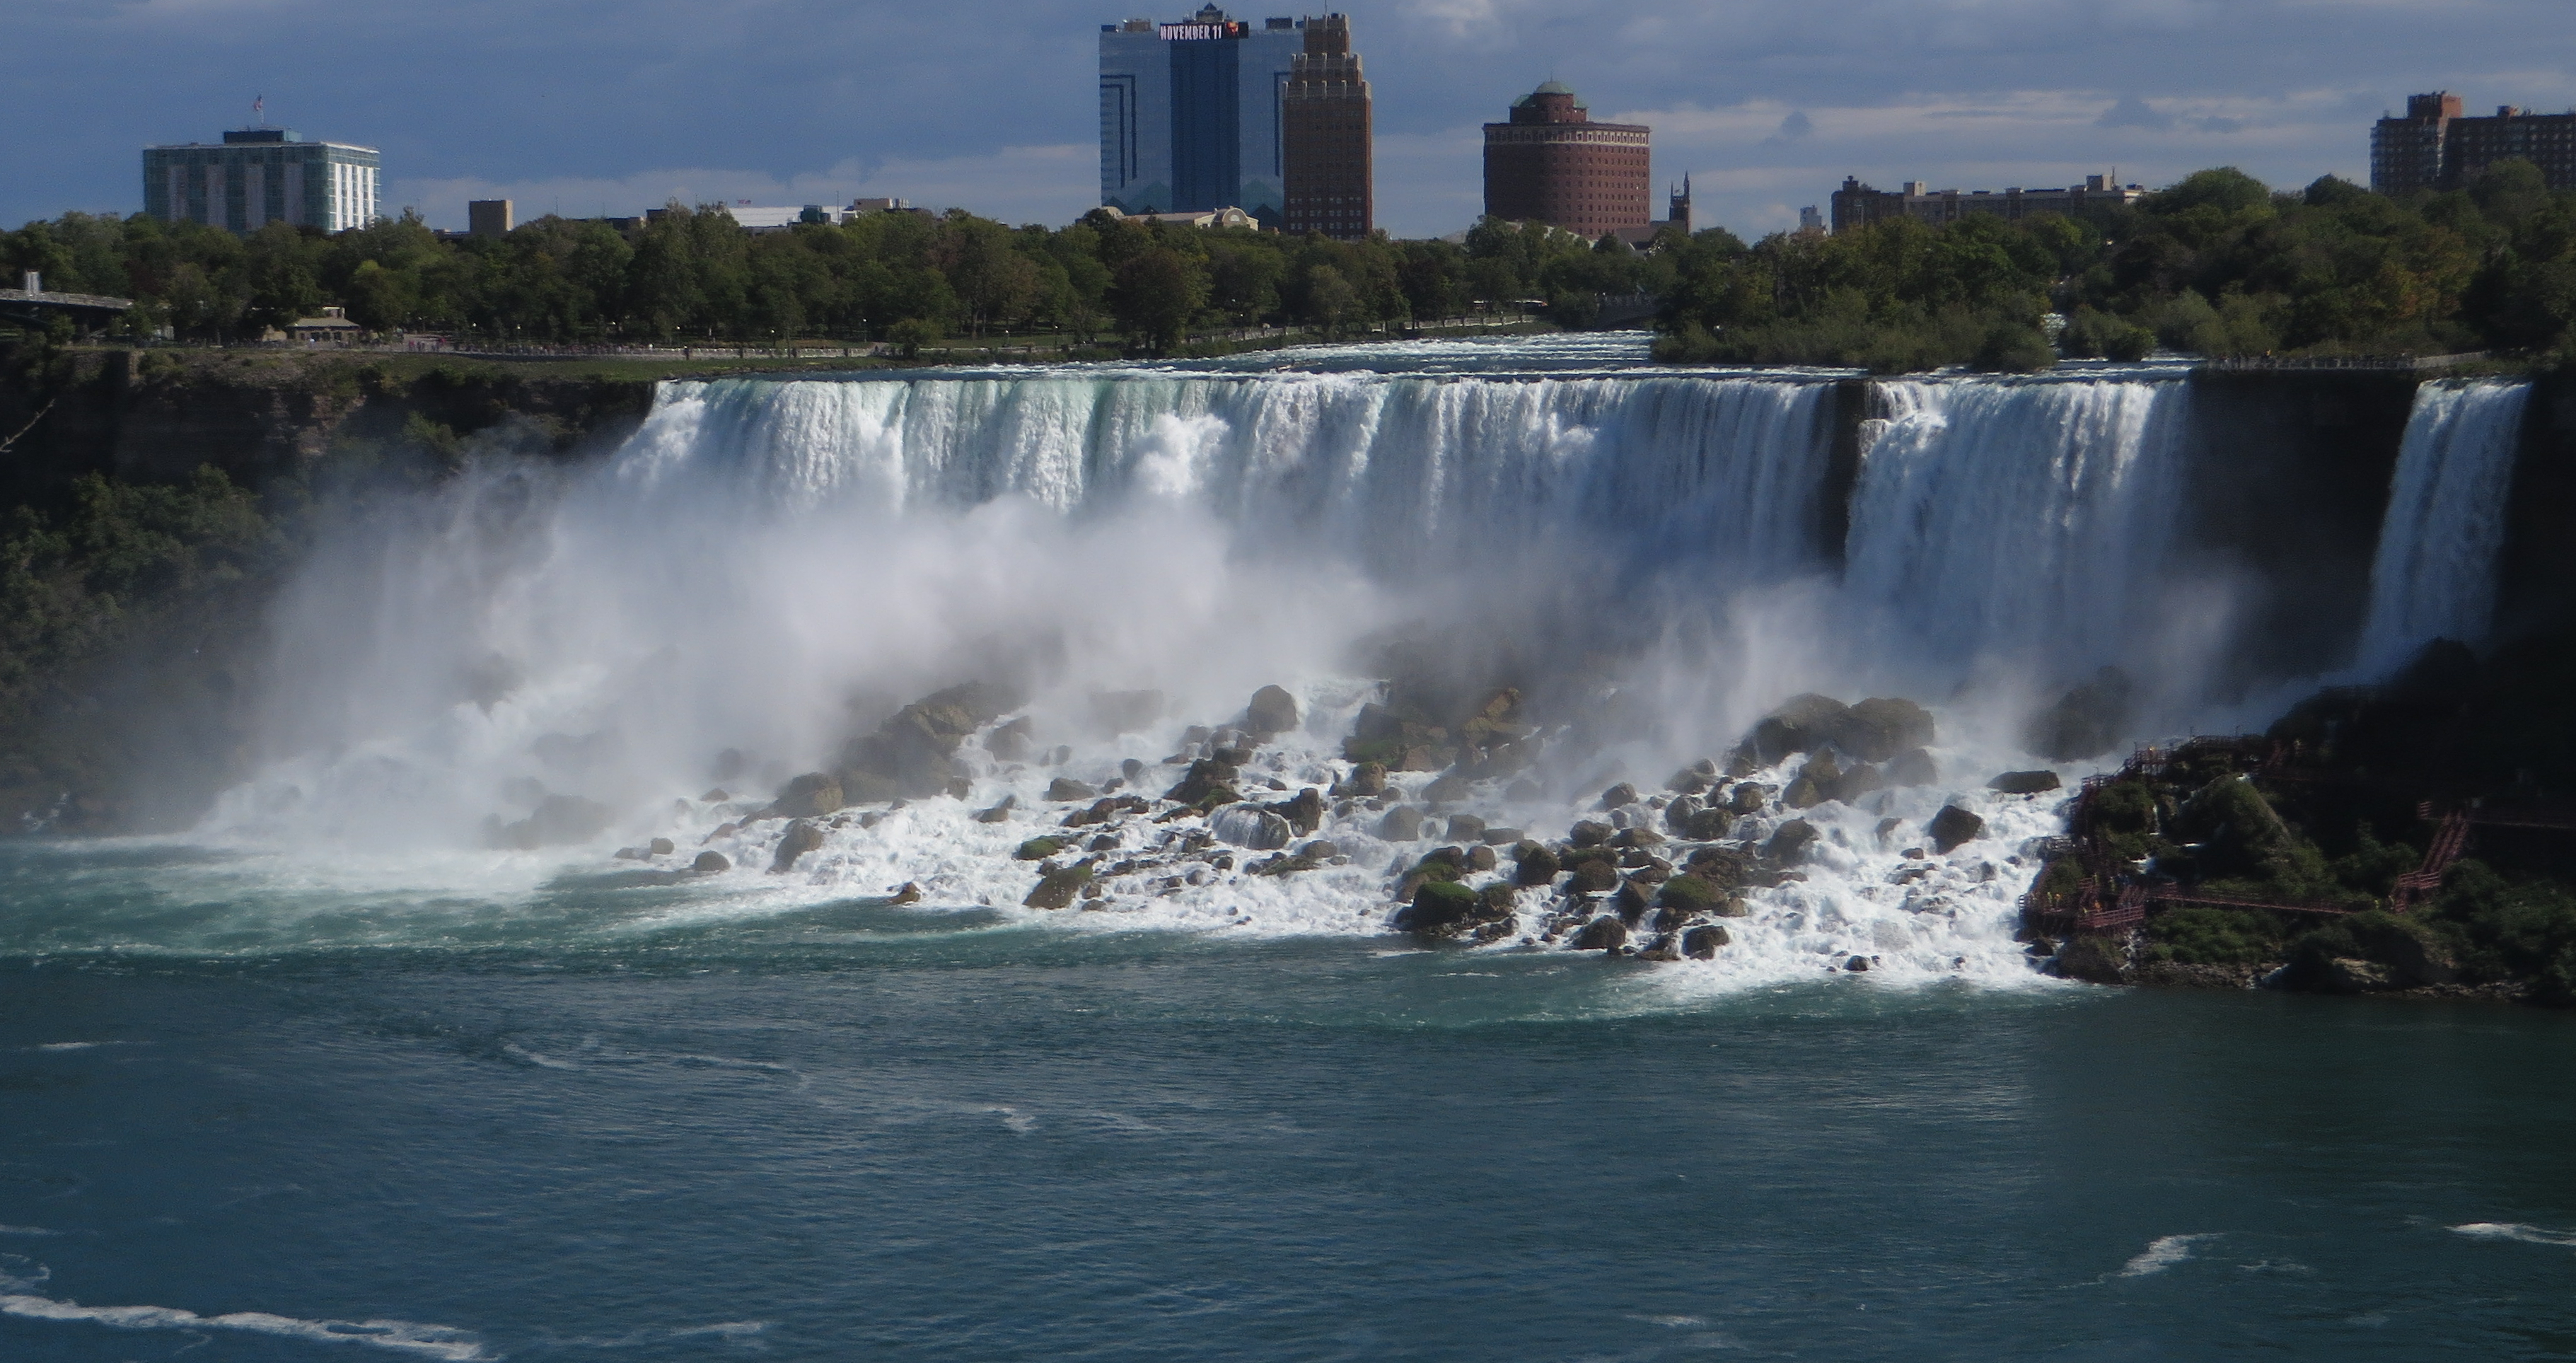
(1858, 205)
(257, 176)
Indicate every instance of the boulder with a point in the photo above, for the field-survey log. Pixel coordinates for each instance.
(1690, 894)
(1631, 901)
(1038, 849)
(1536, 864)
(1319, 850)
(802, 836)
(2353, 975)
(1502, 837)
(1595, 877)
(1814, 784)
(710, 864)
(1693, 779)
(1678, 815)
(1272, 711)
(908, 893)
(1401, 824)
(1590, 834)
(2025, 782)
(1789, 842)
(1000, 813)
(2085, 722)
(1448, 790)
(2095, 960)
(1010, 742)
(1250, 826)
(1857, 964)
(1663, 948)
(1723, 867)
(1701, 943)
(716, 796)
(1466, 828)
(1953, 826)
(1801, 724)
(1748, 798)
(1205, 777)
(1879, 728)
(1605, 933)
(1637, 837)
(1857, 782)
(1480, 858)
(915, 750)
(1058, 889)
(1304, 812)
(2416, 960)
(1619, 796)
(1366, 779)
(1438, 907)
(1064, 790)
(662, 847)
(1913, 767)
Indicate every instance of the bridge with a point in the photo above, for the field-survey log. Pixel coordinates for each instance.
(32, 305)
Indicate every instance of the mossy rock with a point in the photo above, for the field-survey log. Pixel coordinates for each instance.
(1038, 849)
(1688, 893)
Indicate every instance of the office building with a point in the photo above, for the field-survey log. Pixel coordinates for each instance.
(1858, 205)
(2435, 147)
(1325, 125)
(257, 176)
(488, 217)
(1551, 163)
(1190, 114)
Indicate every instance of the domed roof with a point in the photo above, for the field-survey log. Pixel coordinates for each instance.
(1554, 87)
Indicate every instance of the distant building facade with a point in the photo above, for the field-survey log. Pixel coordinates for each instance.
(1858, 205)
(1190, 114)
(1327, 135)
(489, 217)
(2435, 147)
(1551, 163)
(257, 176)
(1677, 215)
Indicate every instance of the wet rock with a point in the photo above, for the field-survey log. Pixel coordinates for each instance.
(2085, 722)
(1594, 877)
(1250, 826)
(1678, 815)
(2095, 960)
(1733, 906)
(1857, 965)
(1801, 724)
(1000, 813)
(1206, 777)
(1914, 767)
(802, 836)
(1057, 889)
(717, 796)
(1401, 824)
(1305, 813)
(1789, 842)
(1366, 779)
(1886, 826)
(2416, 960)
(2025, 782)
(1605, 933)
(910, 893)
(1663, 948)
(1619, 796)
(1814, 784)
(1272, 711)
(1879, 728)
(1038, 849)
(1466, 828)
(1448, 790)
(1631, 900)
(1953, 826)
(1857, 782)
(1437, 907)
(1131, 769)
(630, 854)
(1523, 791)
(1693, 779)
(1319, 850)
(1010, 742)
(662, 847)
(1502, 837)
(1064, 790)
(1480, 858)
(1590, 834)
(1535, 864)
(710, 864)
(1723, 867)
(1639, 836)
(1701, 943)
(914, 752)
(1689, 894)
(808, 796)
(1748, 798)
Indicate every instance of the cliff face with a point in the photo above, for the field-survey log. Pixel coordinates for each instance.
(148, 416)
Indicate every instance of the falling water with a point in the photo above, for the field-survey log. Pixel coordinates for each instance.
(2435, 572)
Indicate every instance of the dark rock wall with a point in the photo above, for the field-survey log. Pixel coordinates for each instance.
(2538, 587)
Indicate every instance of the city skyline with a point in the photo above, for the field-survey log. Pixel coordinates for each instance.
(993, 108)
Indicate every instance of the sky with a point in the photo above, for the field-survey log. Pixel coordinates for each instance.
(587, 107)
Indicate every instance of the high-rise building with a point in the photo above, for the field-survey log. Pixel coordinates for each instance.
(257, 176)
(1551, 163)
(1325, 120)
(489, 217)
(1190, 114)
(2435, 147)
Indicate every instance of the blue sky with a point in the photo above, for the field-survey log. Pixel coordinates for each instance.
(585, 106)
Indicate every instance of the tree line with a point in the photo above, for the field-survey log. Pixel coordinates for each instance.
(692, 273)
(2217, 264)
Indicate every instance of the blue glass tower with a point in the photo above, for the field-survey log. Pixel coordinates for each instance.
(1190, 113)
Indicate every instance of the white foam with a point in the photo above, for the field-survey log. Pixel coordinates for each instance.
(27, 1230)
(2517, 1231)
(2162, 1253)
(433, 1341)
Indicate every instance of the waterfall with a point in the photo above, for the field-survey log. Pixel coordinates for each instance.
(2434, 575)
(2021, 520)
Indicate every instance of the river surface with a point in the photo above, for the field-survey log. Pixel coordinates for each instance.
(330, 1078)
(858, 1132)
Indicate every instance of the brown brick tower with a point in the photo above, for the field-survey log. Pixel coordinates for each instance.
(1551, 163)
(1325, 126)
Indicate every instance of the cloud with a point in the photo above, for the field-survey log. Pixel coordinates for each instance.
(2133, 112)
(1795, 126)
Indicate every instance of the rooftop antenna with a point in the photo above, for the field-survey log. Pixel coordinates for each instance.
(259, 109)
